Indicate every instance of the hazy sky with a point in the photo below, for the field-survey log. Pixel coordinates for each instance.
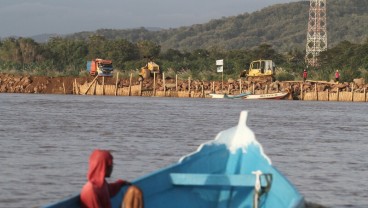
(34, 17)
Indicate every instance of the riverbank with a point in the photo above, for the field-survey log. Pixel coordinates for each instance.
(355, 91)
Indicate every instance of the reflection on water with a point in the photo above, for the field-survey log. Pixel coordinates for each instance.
(45, 141)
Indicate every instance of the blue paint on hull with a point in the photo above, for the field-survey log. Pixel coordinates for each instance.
(242, 95)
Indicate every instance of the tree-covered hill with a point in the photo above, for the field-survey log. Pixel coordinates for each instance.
(284, 26)
(277, 32)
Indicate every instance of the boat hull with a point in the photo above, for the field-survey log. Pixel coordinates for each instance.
(276, 96)
(160, 191)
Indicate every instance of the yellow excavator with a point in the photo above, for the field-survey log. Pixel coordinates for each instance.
(260, 71)
(149, 69)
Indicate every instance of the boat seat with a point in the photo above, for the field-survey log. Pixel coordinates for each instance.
(241, 180)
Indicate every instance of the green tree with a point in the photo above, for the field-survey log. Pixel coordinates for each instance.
(96, 45)
(10, 51)
(148, 48)
(121, 51)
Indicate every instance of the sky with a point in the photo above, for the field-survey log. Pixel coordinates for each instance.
(27, 18)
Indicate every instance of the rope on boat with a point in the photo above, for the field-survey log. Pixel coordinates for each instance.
(260, 190)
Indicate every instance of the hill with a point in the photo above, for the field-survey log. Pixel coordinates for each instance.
(284, 26)
(43, 38)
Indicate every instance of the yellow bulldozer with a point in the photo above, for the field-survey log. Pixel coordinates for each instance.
(260, 71)
(149, 69)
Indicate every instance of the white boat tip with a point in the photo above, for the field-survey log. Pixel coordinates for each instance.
(243, 118)
(244, 136)
(238, 137)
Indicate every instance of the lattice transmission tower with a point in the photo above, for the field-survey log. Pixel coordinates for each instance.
(317, 32)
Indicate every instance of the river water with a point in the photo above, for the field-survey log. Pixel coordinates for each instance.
(45, 141)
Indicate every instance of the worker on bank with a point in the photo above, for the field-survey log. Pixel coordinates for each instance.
(305, 75)
(337, 76)
(96, 193)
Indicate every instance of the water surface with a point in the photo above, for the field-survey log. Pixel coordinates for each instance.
(45, 141)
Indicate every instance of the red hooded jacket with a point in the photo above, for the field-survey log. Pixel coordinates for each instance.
(96, 192)
(305, 74)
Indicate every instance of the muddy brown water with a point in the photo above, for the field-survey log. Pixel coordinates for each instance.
(45, 141)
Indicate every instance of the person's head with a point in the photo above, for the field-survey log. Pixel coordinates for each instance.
(100, 166)
(305, 70)
(337, 70)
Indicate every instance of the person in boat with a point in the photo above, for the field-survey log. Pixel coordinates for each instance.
(96, 193)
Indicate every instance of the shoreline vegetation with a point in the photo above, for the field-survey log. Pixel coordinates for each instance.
(165, 86)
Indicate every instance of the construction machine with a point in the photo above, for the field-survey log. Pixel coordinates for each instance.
(149, 69)
(100, 67)
(260, 71)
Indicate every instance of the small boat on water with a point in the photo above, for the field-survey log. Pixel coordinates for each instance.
(230, 171)
(241, 95)
(276, 96)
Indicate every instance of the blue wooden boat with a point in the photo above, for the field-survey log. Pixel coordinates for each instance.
(230, 171)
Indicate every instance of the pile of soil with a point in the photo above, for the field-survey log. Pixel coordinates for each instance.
(10, 83)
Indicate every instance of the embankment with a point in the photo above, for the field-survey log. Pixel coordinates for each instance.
(173, 87)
